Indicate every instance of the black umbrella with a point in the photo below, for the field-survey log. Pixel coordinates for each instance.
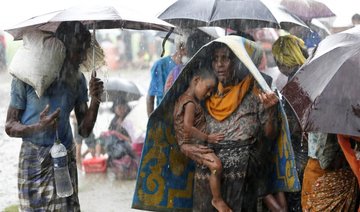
(325, 92)
(235, 14)
(117, 89)
(93, 16)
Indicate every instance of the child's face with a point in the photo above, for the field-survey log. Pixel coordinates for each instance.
(204, 87)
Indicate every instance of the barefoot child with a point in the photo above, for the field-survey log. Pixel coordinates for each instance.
(190, 127)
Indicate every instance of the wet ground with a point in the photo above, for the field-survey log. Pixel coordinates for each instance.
(97, 192)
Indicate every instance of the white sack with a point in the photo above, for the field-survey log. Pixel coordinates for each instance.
(39, 61)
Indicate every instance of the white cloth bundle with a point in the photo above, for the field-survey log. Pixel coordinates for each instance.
(39, 61)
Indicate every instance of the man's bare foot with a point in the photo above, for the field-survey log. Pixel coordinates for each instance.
(220, 205)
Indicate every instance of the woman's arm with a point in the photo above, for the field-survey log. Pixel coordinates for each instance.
(270, 100)
(14, 128)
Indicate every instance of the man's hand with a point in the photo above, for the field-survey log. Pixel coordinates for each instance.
(48, 121)
(96, 87)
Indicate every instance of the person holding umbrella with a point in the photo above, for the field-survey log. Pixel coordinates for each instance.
(160, 71)
(39, 121)
(327, 181)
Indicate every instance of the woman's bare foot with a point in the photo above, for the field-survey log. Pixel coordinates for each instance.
(220, 205)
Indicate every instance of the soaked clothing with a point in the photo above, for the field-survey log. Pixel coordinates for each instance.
(58, 95)
(36, 176)
(173, 75)
(245, 155)
(179, 112)
(159, 72)
(329, 184)
(300, 148)
(323, 147)
(36, 180)
(328, 190)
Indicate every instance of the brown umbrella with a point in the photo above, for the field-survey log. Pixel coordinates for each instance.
(324, 93)
(307, 9)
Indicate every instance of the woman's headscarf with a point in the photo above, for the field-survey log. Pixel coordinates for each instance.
(289, 50)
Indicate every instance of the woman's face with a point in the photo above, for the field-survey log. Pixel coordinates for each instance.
(222, 64)
(120, 110)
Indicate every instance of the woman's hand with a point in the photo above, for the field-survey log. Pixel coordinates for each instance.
(196, 152)
(268, 99)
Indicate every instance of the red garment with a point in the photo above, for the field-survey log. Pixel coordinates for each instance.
(349, 153)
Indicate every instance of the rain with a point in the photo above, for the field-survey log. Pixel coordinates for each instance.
(135, 161)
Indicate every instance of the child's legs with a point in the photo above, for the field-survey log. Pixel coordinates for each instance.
(276, 202)
(215, 168)
(281, 199)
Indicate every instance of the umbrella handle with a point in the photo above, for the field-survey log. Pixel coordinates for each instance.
(164, 41)
(93, 74)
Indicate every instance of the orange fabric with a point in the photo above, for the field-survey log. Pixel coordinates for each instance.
(349, 153)
(312, 172)
(328, 190)
(227, 99)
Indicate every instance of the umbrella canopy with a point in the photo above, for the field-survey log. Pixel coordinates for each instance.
(307, 9)
(234, 14)
(117, 89)
(103, 16)
(325, 92)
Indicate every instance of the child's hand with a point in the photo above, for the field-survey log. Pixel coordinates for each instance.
(215, 138)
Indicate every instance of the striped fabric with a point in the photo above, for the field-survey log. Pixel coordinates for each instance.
(36, 180)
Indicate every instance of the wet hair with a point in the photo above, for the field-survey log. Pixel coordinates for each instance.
(119, 101)
(219, 45)
(205, 73)
(67, 31)
(355, 18)
(180, 42)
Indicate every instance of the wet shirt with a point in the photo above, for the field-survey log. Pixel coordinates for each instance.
(159, 73)
(245, 123)
(58, 95)
(323, 147)
(179, 112)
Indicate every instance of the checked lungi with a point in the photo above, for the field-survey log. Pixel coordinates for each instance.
(36, 183)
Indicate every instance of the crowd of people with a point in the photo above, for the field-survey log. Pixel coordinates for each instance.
(229, 130)
(223, 121)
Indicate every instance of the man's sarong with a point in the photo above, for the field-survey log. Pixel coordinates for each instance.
(36, 183)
